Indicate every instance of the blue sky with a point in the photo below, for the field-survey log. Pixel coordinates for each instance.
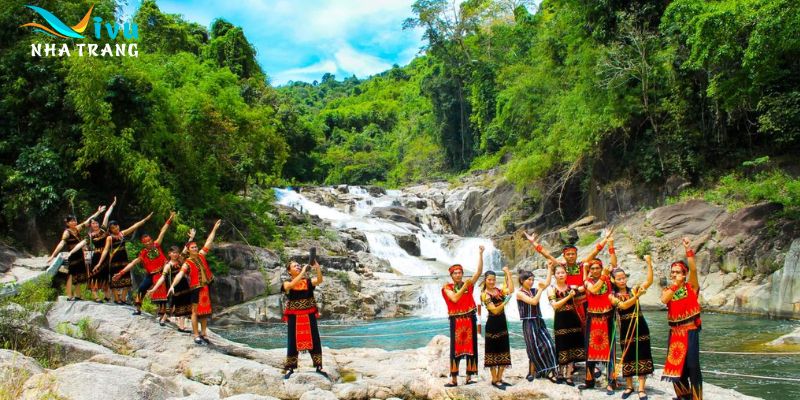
(303, 39)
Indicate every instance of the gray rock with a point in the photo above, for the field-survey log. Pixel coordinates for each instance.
(15, 369)
(689, 218)
(90, 381)
(237, 287)
(395, 213)
(409, 243)
(318, 394)
(71, 349)
(792, 338)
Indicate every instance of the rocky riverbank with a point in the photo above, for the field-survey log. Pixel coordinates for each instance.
(135, 358)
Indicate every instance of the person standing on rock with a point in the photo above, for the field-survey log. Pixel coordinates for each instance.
(300, 314)
(78, 272)
(118, 259)
(181, 304)
(538, 343)
(200, 277)
(576, 271)
(682, 367)
(599, 325)
(458, 296)
(97, 241)
(153, 260)
(567, 326)
(497, 355)
(634, 336)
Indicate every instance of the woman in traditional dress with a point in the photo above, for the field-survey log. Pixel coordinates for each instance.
(98, 280)
(634, 336)
(118, 258)
(300, 314)
(599, 326)
(461, 311)
(567, 326)
(200, 276)
(152, 259)
(576, 271)
(181, 304)
(682, 367)
(78, 272)
(540, 347)
(497, 355)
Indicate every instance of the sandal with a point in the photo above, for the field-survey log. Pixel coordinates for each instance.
(569, 382)
(197, 340)
(469, 382)
(627, 393)
(288, 374)
(530, 378)
(450, 384)
(553, 378)
(497, 385)
(610, 390)
(642, 397)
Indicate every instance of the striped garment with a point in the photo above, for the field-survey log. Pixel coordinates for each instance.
(540, 346)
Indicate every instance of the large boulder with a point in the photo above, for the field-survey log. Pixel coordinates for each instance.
(237, 287)
(93, 381)
(409, 243)
(396, 213)
(689, 218)
(15, 369)
(243, 257)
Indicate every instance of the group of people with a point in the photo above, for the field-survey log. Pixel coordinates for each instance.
(588, 299)
(594, 307)
(177, 282)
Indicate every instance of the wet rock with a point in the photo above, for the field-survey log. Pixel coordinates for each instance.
(409, 243)
(397, 214)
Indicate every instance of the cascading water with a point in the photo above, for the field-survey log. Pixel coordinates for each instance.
(380, 233)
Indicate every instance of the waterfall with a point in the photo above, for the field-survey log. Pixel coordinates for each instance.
(380, 233)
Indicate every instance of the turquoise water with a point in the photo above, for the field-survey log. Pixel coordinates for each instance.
(721, 332)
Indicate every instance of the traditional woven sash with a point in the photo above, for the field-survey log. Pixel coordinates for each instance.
(302, 333)
(464, 335)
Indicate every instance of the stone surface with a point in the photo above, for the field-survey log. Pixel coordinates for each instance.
(397, 214)
(409, 243)
(90, 381)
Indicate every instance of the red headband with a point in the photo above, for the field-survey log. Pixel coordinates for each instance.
(568, 248)
(190, 244)
(456, 267)
(681, 264)
(146, 239)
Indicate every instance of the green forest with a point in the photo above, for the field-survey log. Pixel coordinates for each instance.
(563, 93)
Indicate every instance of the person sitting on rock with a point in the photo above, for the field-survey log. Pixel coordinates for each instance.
(683, 314)
(200, 278)
(461, 310)
(152, 258)
(300, 314)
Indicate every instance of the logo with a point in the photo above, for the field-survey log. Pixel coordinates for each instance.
(56, 28)
(59, 28)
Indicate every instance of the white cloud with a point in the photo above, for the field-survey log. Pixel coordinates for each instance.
(358, 63)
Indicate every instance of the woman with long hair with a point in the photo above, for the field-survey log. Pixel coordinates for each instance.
(200, 277)
(98, 232)
(567, 324)
(78, 272)
(497, 355)
(118, 258)
(538, 343)
(181, 301)
(634, 336)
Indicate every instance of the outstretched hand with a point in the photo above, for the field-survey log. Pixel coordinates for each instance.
(686, 244)
(531, 238)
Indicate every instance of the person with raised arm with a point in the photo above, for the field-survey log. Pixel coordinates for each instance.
(682, 367)
(576, 271)
(634, 336)
(538, 343)
(98, 232)
(200, 276)
(77, 271)
(153, 259)
(180, 303)
(118, 258)
(300, 315)
(497, 354)
(458, 295)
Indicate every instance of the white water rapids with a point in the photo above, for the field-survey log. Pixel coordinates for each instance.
(380, 233)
